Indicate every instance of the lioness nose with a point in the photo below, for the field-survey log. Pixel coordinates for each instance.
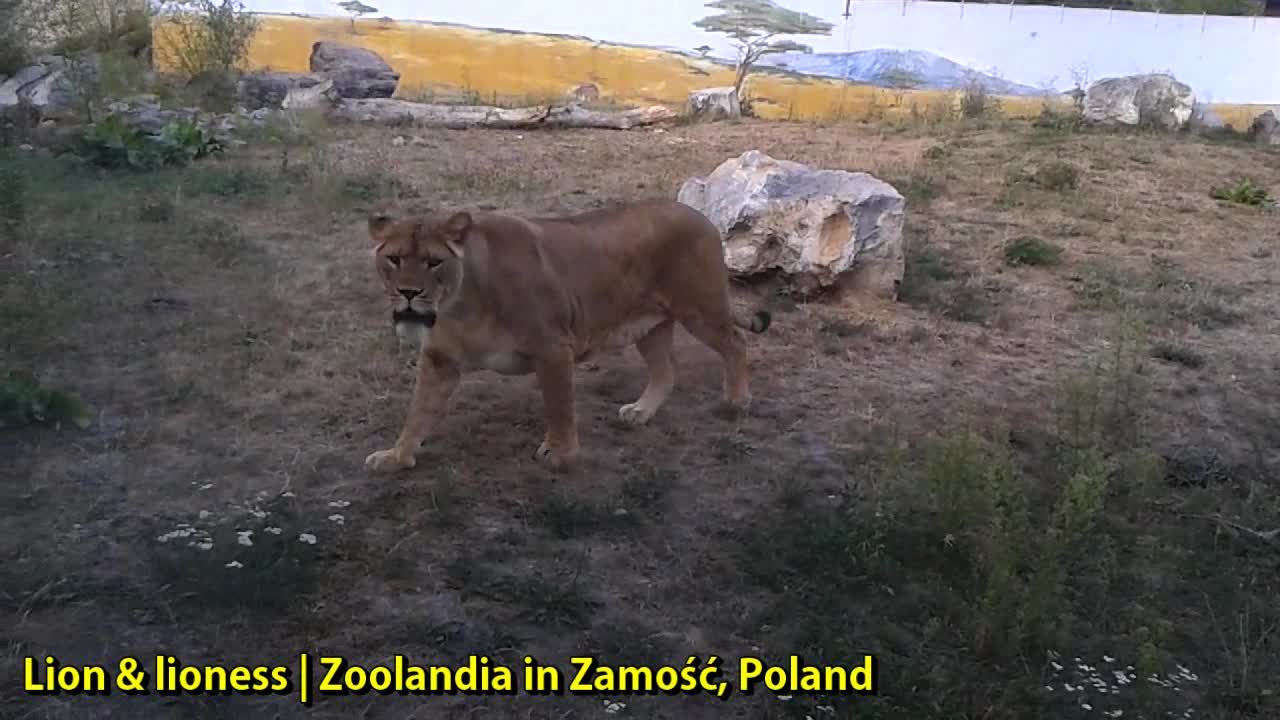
(409, 294)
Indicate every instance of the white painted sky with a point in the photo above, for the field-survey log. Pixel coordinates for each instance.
(1225, 59)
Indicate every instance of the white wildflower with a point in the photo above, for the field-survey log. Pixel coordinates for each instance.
(181, 532)
(287, 493)
(235, 564)
(205, 514)
(272, 530)
(613, 708)
(1086, 706)
(337, 518)
(339, 504)
(307, 538)
(244, 537)
(784, 698)
(258, 513)
(207, 486)
(206, 545)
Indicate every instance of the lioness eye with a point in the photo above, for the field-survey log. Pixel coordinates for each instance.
(393, 260)
(432, 262)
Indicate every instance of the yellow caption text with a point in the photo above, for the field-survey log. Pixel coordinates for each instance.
(318, 675)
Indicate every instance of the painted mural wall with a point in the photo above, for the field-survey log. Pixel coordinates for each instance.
(651, 52)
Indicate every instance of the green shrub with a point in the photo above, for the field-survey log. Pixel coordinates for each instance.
(1057, 120)
(1058, 176)
(24, 402)
(1177, 354)
(1031, 251)
(14, 52)
(13, 193)
(975, 101)
(111, 26)
(1242, 192)
(111, 143)
(208, 36)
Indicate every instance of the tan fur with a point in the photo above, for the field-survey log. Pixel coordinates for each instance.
(520, 296)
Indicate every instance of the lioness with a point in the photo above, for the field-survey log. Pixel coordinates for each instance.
(484, 291)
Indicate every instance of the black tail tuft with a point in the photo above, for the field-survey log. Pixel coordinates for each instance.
(761, 321)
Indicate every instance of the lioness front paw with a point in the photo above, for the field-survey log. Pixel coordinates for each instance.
(635, 413)
(390, 461)
(554, 458)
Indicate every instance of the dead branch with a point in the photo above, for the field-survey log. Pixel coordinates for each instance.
(1265, 535)
(402, 113)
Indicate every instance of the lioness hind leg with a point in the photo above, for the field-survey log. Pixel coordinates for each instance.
(655, 348)
(722, 336)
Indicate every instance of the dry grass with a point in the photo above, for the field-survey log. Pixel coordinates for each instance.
(224, 324)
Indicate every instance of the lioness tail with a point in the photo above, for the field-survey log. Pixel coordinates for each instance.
(758, 323)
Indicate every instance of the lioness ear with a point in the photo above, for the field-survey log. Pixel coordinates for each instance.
(457, 225)
(379, 221)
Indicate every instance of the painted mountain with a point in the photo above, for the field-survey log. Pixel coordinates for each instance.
(895, 68)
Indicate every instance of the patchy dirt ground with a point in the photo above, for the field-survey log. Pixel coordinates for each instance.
(225, 327)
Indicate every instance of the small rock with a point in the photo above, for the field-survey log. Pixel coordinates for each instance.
(270, 89)
(398, 141)
(1265, 129)
(317, 96)
(716, 103)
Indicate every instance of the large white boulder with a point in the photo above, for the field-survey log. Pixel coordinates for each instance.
(814, 226)
(1156, 99)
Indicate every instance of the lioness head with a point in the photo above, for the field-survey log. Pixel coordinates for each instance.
(419, 261)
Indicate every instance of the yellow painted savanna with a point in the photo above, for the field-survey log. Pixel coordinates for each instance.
(456, 63)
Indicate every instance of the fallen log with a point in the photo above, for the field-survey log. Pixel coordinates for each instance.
(402, 113)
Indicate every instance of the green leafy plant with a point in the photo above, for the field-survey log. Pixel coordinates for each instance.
(1031, 251)
(24, 402)
(1242, 192)
(112, 143)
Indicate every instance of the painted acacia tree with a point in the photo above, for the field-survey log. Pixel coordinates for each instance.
(356, 8)
(755, 26)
